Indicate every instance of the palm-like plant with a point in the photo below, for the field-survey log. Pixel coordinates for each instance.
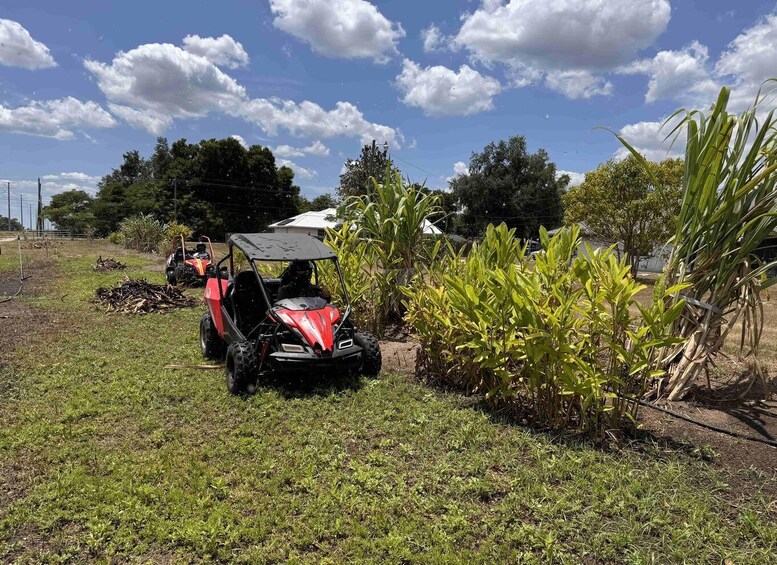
(728, 209)
(391, 219)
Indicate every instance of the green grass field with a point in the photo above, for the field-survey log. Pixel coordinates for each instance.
(106, 456)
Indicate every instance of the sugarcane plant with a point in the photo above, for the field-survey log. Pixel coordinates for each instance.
(727, 211)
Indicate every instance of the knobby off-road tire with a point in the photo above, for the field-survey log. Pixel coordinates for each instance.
(171, 280)
(211, 344)
(240, 366)
(371, 357)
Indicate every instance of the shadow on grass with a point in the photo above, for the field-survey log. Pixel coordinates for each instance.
(645, 442)
(308, 385)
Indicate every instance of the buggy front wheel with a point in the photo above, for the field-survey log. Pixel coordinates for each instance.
(240, 366)
(371, 357)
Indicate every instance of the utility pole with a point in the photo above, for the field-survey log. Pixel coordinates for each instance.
(32, 225)
(21, 211)
(9, 205)
(39, 220)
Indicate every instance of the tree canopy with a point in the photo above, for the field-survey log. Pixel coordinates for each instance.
(373, 162)
(13, 225)
(508, 184)
(215, 186)
(322, 202)
(619, 203)
(70, 211)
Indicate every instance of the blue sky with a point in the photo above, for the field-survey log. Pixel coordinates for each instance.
(83, 82)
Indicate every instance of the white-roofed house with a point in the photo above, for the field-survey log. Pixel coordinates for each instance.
(310, 223)
(315, 224)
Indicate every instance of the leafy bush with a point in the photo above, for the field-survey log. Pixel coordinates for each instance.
(174, 230)
(116, 238)
(143, 232)
(556, 340)
(358, 264)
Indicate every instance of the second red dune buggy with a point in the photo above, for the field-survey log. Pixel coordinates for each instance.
(265, 325)
(190, 265)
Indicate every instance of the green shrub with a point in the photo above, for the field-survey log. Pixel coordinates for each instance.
(174, 230)
(554, 338)
(143, 233)
(116, 238)
(358, 264)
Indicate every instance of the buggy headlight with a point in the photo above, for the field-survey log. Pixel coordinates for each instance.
(292, 348)
(345, 344)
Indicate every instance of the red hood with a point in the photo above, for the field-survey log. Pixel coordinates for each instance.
(199, 265)
(315, 326)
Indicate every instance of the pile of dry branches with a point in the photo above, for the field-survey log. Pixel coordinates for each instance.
(142, 297)
(40, 244)
(109, 264)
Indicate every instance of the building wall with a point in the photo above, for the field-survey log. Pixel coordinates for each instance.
(654, 263)
(295, 229)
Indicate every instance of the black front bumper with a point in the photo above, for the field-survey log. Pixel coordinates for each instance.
(340, 360)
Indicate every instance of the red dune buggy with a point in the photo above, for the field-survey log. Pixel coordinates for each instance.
(280, 325)
(190, 266)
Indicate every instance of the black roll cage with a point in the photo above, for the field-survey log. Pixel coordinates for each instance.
(267, 298)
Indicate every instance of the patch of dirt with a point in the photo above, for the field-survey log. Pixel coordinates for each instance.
(735, 402)
(399, 355)
(19, 319)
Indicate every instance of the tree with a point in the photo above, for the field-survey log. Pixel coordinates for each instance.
(373, 162)
(70, 211)
(13, 225)
(507, 184)
(214, 186)
(322, 202)
(619, 202)
(161, 159)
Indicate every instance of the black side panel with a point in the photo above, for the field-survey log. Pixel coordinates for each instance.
(231, 333)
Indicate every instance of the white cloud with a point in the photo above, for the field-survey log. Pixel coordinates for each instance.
(563, 34)
(679, 75)
(460, 168)
(564, 43)
(649, 138)
(299, 171)
(148, 120)
(311, 120)
(578, 84)
(222, 51)
(751, 56)
(166, 80)
(19, 49)
(575, 179)
(339, 28)
(161, 82)
(750, 60)
(73, 176)
(439, 91)
(316, 148)
(54, 118)
(433, 39)
(240, 140)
